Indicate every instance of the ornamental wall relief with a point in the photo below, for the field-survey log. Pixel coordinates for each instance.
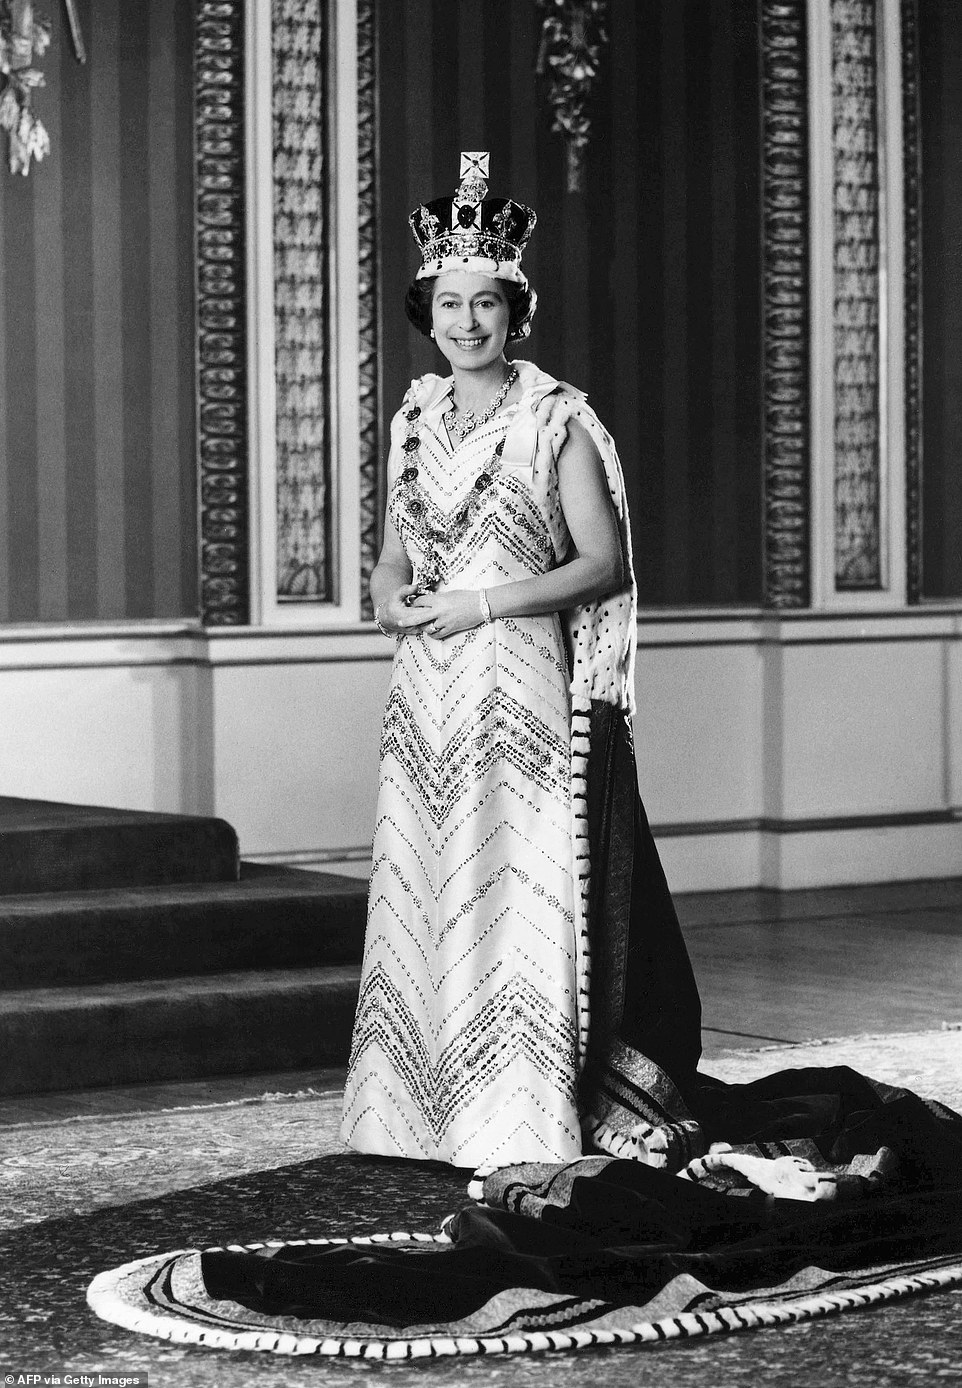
(24, 39)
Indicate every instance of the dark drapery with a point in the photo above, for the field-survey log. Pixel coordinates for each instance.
(98, 487)
(649, 280)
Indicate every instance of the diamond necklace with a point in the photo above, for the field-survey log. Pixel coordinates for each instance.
(469, 421)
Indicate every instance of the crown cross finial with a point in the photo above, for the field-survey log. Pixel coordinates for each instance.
(473, 188)
(475, 161)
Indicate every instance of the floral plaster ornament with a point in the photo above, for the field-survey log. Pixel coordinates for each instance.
(24, 38)
(572, 36)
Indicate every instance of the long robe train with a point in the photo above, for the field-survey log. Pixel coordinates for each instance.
(643, 990)
(604, 1230)
(782, 1183)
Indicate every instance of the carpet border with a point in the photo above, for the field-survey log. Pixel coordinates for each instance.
(104, 1301)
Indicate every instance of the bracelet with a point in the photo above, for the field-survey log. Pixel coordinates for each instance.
(379, 624)
(485, 605)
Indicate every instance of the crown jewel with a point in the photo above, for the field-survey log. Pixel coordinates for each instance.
(471, 231)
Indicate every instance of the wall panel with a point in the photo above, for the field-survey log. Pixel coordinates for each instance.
(845, 768)
(97, 474)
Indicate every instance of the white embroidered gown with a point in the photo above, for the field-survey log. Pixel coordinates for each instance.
(465, 1044)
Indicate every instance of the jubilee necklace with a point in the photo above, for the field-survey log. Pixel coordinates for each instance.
(469, 421)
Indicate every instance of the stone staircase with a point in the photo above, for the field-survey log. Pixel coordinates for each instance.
(113, 973)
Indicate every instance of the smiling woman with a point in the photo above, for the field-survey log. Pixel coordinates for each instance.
(470, 321)
(522, 302)
(505, 576)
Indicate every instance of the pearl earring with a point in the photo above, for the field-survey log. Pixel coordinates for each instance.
(433, 332)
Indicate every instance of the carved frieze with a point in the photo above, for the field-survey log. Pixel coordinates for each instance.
(912, 194)
(856, 182)
(785, 259)
(222, 429)
(371, 463)
(301, 301)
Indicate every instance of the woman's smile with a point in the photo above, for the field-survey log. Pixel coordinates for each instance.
(470, 315)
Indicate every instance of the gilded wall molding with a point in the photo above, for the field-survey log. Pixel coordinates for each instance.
(856, 141)
(369, 383)
(912, 270)
(785, 287)
(299, 43)
(221, 312)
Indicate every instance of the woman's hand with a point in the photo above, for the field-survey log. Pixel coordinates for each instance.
(397, 614)
(447, 613)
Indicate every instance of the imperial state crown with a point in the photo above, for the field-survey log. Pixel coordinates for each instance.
(471, 231)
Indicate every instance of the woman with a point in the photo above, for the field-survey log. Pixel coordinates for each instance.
(524, 973)
(505, 575)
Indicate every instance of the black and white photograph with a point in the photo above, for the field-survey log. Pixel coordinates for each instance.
(480, 693)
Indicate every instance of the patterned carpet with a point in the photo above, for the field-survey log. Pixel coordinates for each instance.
(88, 1194)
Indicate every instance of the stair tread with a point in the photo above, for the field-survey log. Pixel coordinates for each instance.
(273, 886)
(49, 846)
(234, 982)
(23, 816)
(158, 1096)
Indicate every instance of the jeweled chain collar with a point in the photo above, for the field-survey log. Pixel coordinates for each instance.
(469, 421)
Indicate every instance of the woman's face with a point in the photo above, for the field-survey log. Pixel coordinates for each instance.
(470, 315)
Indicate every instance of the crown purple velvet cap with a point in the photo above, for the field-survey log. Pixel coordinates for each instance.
(471, 231)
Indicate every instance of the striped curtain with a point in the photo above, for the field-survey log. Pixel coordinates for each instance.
(97, 474)
(649, 282)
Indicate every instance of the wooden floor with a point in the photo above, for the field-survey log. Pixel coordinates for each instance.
(774, 968)
(798, 966)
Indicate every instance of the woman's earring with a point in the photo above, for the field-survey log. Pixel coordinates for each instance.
(432, 332)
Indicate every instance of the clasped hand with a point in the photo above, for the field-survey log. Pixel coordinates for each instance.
(440, 614)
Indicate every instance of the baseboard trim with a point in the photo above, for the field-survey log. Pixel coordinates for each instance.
(812, 825)
(721, 855)
(828, 853)
(695, 828)
(310, 857)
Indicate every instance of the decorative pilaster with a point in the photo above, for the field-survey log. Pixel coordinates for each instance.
(785, 269)
(222, 434)
(301, 300)
(369, 384)
(856, 162)
(912, 227)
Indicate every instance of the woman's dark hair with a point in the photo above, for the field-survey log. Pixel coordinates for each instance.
(522, 302)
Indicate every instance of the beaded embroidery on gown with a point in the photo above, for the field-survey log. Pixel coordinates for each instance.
(466, 1045)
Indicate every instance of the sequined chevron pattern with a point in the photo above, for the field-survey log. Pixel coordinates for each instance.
(447, 516)
(466, 1043)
